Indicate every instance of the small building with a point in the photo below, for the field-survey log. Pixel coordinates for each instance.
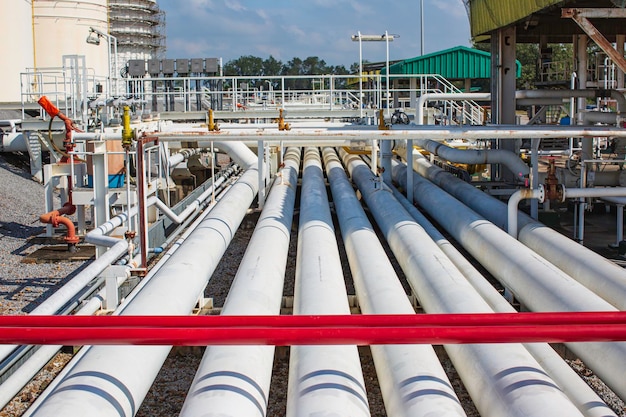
(459, 66)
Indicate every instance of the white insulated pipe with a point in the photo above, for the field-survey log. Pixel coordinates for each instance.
(234, 380)
(412, 381)
(502, 379)
(323, 380)
(536, 282)
(514, 200)
(424, 98)
(576, 389)
(181, 156)
(476, 156)
(113, 380)
(600, 275)
(563, 94)
(516, 197)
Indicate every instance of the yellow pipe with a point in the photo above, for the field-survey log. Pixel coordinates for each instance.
(127, 133)
(213, 127)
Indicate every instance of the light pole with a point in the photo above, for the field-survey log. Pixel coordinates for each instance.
(94, 39)
(386, 37)
(422, 27)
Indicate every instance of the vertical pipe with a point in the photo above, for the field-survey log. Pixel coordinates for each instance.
(234, 380)
(323, 380)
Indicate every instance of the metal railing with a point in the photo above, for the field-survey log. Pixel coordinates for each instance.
(241, 95)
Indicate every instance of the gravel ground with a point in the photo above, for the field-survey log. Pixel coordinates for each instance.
(24, 286)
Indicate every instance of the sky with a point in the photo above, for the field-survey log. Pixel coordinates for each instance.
(286, 29)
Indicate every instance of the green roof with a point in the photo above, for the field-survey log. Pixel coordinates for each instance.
(455, 63)
(489, 15)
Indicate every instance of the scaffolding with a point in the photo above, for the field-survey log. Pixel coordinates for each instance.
(139, 27)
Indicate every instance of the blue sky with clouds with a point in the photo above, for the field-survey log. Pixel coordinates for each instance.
(285, 29)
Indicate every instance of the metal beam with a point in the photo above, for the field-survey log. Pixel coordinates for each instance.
(580, 17)
(599, 13)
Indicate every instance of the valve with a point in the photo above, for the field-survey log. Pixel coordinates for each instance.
(213, 127)
(281, 122)
(553, 190)
(127, 133)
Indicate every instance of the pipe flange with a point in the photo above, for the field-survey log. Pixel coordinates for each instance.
(541, 196)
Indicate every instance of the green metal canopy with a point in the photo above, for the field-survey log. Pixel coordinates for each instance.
(455, 63)
(488, 15)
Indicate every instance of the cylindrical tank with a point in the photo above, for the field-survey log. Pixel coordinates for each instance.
(62, 27)
(16, 30)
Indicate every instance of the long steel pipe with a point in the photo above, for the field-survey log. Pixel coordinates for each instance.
(323, 380)
(603, 277)
(537, 283)
(88, 389)
(234, 381)
(416, 368)
(441, 288)
(585, 399)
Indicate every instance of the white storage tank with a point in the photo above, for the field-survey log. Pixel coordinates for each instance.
(62, 27)
(16, 32)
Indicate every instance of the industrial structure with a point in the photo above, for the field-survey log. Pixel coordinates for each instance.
(159, 170)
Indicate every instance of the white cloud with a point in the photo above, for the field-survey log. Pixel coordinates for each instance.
(235, 5)
(295, 30)
(205, 4)
(189, 48)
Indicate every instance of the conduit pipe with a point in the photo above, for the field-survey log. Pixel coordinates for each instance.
(415, 369)
(234, 380)
(112, 380)
(55, 218)
(603, 277)
(434, 132)
(441, 288)
(192, 208)
(532, 279)
(585, 399)
(424, 98)
(181, 156)
(563, 94)
(539, 194)
(591, 117)
(476, 156)
(516, 197)
(323, 380)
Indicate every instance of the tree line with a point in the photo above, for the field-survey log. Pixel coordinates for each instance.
(252, 65)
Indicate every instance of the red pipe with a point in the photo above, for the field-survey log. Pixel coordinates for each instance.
(315, 330)
(355, 320)
(281, 336)
(53, 112)
(55, 217)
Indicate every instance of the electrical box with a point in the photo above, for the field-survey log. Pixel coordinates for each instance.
(197, 65)
(168, 66)
(212, 65)
(136, 67)
(182, 66)
(154, 67)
